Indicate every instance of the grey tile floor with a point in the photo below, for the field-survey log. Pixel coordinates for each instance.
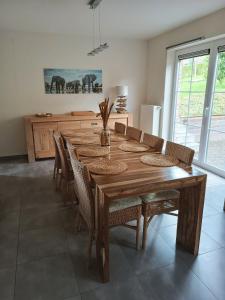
(42, 258)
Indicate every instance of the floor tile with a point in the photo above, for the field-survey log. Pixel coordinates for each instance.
(8, 249)
(206, 242)
(214, 226)
(37, 243)
(127, 289)
(157, 253)
(210, 269)
(47, 279)
(174, 282)
(35, 218)
(7, 279)
(9, 222)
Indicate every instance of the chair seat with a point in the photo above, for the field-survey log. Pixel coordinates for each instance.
(161, 196)
(124, 203)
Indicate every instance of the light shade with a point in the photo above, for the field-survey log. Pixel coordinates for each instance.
(121, 90)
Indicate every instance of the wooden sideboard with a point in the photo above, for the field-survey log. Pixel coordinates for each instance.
(39, 131)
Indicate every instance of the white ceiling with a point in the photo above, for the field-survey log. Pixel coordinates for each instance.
(120, 18)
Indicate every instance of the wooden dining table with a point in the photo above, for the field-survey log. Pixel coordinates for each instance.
(140, 179)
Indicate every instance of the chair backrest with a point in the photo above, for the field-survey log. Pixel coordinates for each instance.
(62, 154)
(120, 127)
(83, 188)
(153, 141)
(57, 156)
(134, 133)
(180, 152)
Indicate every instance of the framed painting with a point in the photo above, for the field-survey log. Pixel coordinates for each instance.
(72, 81)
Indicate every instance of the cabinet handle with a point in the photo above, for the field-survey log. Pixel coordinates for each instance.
(94, 123)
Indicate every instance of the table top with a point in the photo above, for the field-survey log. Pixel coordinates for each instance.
(140, 178)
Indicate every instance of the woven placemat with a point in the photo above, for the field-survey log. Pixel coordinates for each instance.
(133, 147)
(85, 140)
(105, 166)
(118, 138)
(159, 160)
(75, 133)
(93, 151)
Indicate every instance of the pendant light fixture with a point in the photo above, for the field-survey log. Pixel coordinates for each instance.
(102, 46)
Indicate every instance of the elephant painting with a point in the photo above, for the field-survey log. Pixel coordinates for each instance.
(72, 81)
(73, 87)
(59, 83)
(88, 82)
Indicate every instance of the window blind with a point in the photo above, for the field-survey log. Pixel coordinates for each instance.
(221, 48)
(194, 54)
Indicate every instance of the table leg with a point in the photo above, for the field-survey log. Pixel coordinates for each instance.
(102, 235)
(190, 216)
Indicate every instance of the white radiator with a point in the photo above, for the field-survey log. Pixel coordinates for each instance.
(149, 118)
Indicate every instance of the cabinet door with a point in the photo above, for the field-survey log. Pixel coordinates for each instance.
(43, 139)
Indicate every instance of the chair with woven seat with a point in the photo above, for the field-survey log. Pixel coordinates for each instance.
(120, 211)
(165, 202)
(154, 142)
(120, 128)
(66, 174)
(133, 133)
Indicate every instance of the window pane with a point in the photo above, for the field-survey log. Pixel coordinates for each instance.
(182, 107)
(218, 112)
(185, 72)
(220, 79)
(216, 150)
(193, 139)
(180, 133)
(199, 73)
(196, 105)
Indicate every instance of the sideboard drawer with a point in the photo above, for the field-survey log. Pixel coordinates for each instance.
(68, 125)
(91, 124)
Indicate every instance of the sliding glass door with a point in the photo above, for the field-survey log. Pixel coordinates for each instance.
(199, 103)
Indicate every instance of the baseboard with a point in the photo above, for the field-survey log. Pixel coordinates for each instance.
(13, 157)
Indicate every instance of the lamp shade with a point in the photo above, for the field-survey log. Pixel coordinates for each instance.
(121, 90)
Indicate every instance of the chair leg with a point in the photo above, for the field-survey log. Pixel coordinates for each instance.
(224, 205)
(138, 233)
(145, 228)
(54, 172)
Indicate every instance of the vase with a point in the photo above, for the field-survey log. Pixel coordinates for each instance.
(105, 137)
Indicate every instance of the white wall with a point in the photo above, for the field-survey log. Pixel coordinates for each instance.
(22, 59)
(209, 26)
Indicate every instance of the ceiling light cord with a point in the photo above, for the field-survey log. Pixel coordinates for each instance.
(96, 32)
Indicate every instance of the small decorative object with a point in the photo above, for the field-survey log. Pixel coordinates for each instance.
(122, 93)
(42, 115)
(72, 81)
(105, 110)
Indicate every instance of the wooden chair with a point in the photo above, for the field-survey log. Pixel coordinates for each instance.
(165, 201)
(57, 165)
(120, 211)
(66, 174)
(133, 133)
(120, 128)
(153, 142)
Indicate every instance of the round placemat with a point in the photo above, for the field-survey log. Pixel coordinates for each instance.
(105, 166)
(159, 160)
(85, 140)
(133, 147)
(118, 138)
(93, 151)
